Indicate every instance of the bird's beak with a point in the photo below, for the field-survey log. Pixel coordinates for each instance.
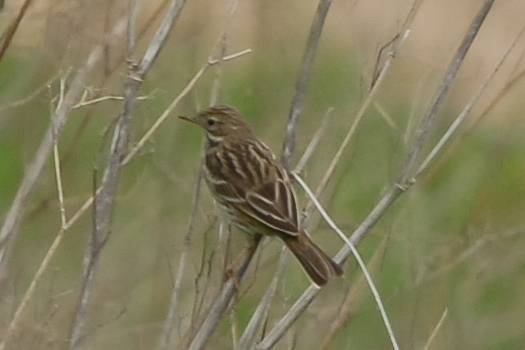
(189, 119)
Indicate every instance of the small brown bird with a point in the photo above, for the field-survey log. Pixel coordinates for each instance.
(254, 189)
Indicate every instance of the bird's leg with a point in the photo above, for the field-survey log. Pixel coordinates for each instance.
(237, 268)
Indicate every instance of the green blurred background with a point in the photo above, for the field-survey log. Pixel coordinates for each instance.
(453, 242)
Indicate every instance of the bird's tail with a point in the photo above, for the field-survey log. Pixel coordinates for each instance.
(312, 258)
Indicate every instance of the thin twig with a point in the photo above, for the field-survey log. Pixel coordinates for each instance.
(386, 116)
(88, 272)
(31, 96)
(233, 326)
(214, 96)
(302, 80)
(314, 141)
(396, 44)
(169, 323)
(392, 46)
(221, 302)
(261, 312)
(203, 272)
(160, 37)
(356, 255)
(58, 177)
(83, 103)
(132, 21)
(13, 26)
(436, 329)
(478, 119)
(174, 104)
(287, 320)
(408, 167)
(473, 248)
(222, 43)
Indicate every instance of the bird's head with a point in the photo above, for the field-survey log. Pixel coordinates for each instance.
(219, 122)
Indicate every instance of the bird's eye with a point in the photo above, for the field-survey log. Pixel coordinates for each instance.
(211, 121)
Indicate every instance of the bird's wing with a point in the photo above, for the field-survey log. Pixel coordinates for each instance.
(247, 178)
(273, 204)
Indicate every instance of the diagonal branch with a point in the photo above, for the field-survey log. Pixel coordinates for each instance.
(13, 26)
(302, 80)
(408, 167)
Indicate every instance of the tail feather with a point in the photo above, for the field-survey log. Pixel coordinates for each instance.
(312, 258)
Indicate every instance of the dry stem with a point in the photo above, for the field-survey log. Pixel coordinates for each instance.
(302, 80)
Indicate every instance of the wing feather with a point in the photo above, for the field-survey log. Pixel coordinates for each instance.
(273, 204)
(249, 180)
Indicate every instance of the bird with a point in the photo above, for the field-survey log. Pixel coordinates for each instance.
(254, 189)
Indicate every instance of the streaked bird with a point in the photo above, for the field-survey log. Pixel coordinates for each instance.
(254, 190)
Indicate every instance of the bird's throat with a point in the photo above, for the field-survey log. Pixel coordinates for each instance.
(213, 140)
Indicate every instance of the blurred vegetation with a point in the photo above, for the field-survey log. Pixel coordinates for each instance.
(455, 241)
